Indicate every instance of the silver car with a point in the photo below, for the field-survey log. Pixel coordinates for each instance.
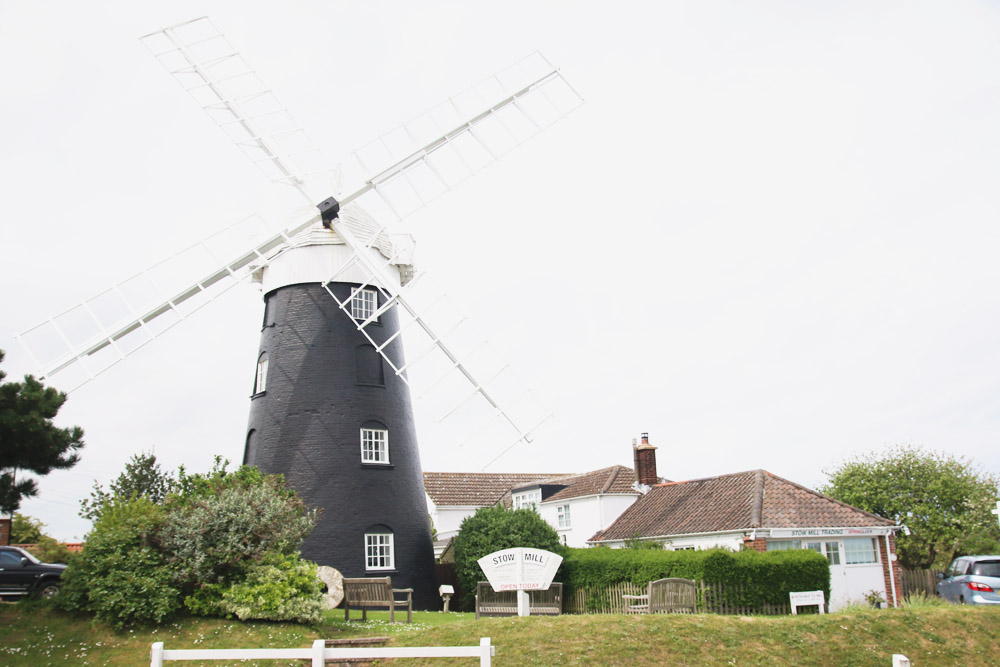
(971, 580)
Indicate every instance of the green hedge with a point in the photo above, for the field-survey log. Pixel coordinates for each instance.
(751, 578)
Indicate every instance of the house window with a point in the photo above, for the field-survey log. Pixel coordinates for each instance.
(783, 545)
(379, 551)
(260, 383)
(833, 552)
(364, 302)
(859, 551)
(563, 513)
(374, 445)
(527, 499)
(682, 547)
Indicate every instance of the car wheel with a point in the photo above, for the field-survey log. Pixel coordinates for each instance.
(48, 590)
(961, 600)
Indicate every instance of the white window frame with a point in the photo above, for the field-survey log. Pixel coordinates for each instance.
(527, 499)
(563, 516)
(364, 303)
(260, 382)
(850, 555)
(375, 446)
(380, 551)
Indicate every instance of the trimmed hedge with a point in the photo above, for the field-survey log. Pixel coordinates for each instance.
(751, 578)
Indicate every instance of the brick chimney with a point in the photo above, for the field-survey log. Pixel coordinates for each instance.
(645, 462)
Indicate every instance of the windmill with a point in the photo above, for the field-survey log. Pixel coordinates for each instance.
(331, 406)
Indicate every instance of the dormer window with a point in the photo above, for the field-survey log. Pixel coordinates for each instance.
(364, 303)
(525, 499)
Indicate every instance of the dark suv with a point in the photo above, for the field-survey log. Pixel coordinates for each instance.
(22, 574)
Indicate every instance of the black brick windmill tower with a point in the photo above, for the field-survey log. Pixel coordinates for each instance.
(331, 406)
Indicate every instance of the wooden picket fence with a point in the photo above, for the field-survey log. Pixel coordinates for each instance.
(919, 581)
(712, 598)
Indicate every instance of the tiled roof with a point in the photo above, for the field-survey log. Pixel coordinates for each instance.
(753, 499)
(616, 479)
(475, 489)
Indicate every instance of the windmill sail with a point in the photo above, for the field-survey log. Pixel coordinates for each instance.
(394, 176)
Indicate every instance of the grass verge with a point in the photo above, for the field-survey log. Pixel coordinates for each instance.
(34, 634)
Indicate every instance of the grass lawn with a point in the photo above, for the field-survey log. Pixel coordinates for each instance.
(34, 634)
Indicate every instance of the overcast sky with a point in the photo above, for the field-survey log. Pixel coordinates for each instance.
(768, 238)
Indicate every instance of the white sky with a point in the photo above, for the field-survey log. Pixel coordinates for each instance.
(768, 238)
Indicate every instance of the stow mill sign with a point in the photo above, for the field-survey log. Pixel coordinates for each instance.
(520, 569)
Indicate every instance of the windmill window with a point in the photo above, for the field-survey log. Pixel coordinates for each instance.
(379, 551)
(374, 445)
(364, 303)
(260, 382)
(562, 513)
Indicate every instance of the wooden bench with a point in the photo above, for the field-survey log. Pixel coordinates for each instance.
(504, 603)
(376, 592)
(669, 596)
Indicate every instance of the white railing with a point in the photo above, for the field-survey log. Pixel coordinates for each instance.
(319, 653)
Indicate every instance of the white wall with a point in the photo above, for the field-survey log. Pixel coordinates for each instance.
(446, 520)
(588, 515)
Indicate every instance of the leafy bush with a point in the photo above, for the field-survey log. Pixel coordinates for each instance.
(120, 575)
(491, 529)
(224, 543)
(229, 525)
(281, 587)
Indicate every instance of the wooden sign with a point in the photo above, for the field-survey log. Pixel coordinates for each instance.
(520, 569)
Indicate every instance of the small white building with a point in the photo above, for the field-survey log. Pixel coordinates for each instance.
(761, 511)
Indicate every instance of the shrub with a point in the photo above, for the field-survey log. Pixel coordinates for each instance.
(491, 529)
(281, 587)
(120, 575)
(48, 550)
(229, 525)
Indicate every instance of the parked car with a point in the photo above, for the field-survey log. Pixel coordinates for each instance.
(971, 580)
(22, 574)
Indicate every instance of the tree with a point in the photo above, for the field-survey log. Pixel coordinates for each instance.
(29, 440)
(943, 501)
(142, 478)
(491, 529)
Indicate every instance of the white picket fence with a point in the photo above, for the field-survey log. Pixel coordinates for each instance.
(319, 653)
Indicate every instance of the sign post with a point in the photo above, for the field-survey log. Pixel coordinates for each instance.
(520, 569)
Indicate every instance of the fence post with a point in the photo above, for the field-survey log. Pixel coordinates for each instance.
(319, 653)
(156, 655)
(486, 652)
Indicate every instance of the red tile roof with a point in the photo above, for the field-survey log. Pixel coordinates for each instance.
(476, 489)
(746, 500)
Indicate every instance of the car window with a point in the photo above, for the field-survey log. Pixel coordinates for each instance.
(10, 559)
(962, 568)
(950, 572)
(987, 568)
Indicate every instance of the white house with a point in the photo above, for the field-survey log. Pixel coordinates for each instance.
(576, 505)
(762, 511)
(452, 496)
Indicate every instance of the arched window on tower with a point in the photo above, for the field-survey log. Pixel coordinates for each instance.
(260, 381)
(250, 453)
(379, 549)
(374, 443)
(369, 366)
